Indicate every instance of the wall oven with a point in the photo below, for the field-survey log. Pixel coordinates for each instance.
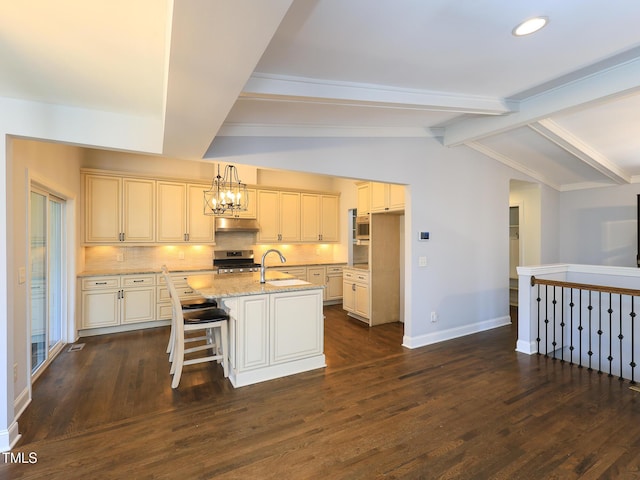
(362, 228)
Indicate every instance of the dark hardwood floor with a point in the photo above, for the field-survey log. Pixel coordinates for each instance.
(469, 408)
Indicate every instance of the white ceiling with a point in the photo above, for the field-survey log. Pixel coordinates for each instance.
(561, 105)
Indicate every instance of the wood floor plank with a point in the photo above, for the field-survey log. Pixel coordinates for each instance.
(470, 408)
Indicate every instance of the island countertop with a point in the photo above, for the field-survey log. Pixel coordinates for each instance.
(241, 284)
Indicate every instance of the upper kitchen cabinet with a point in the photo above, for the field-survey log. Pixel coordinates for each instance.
(279, 216)
(319, 217)
(386, 197)
(181, 217)
(252, 208)
(364, 198)
(118, 209)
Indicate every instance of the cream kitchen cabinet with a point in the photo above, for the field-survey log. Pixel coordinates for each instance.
(319, 217)
(181, 217)
(114, 300)
(163, 306)
(386, 197)
(279, 216)
(330, 277)
(364, 197)
(298, 272)
(334, 289)
(356, 298)
(252, 208)
(273, 335)
(118, 209)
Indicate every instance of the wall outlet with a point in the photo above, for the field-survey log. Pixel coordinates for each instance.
(120, 257)
(180, 255)
(15, 372)
(434, 317)
(422, 261)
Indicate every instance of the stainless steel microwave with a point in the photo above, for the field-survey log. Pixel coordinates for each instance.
(362, 227)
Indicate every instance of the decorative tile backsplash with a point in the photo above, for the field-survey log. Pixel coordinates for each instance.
(195, 256)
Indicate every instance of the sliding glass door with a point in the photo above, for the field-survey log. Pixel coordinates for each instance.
(47, 247)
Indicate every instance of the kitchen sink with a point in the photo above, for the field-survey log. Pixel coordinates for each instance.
(287, 282)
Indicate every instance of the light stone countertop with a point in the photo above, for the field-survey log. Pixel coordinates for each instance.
(140, 271)
(242, 284)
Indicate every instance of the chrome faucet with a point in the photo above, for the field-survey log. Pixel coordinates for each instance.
(262, 266)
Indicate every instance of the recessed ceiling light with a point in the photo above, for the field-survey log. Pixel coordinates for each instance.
(530, 26)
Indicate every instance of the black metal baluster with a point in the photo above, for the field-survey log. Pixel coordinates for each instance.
(580, 328)
(610, 357)
(538, 337)
(554, 343)
(562, 325)
(633, 338)
(571, 347)
(590, 351)
(546, 320)
(620, 337)
(599, 332)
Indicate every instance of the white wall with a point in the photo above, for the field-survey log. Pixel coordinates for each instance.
(454, 193)
(598, 226)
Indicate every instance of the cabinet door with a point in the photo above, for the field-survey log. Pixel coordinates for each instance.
(199, 226)
(364, 198)
(252, 322)
(252, 202)
(348, 296)
(362, 300)
(102, 216)
(268, 216)
(171, 208)
(295, 336)
(396, 197)
(378, 197)
(290, 216)
(317, 276)
(138, 210)
(138, 305)
(100, 308)
(334, 287)
(329, 218)
(310, 217)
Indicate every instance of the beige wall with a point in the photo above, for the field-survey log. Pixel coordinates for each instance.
(57, 167)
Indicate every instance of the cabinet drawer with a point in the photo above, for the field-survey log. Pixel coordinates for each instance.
(356, 276)
(183, 292)
(298, 272)
(138, 281)
(333, 270)
(181, 278)
(95, 283)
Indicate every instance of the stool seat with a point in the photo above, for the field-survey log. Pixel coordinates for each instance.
(206, 316)
(198, 303)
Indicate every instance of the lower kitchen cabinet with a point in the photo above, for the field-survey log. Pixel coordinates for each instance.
(163, 306)
(117, 300)
(356, 298)
(273, 335)
(330, 277)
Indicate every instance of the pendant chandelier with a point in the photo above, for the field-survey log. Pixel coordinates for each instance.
(227, 195)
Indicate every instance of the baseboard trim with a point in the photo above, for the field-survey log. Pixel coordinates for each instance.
(242, 379)
(451, 333)
(9, 437)
(21, 402)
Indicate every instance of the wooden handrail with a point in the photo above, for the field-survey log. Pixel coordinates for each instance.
(585, 286)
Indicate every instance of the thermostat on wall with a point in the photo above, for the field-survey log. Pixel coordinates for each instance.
(424, 235)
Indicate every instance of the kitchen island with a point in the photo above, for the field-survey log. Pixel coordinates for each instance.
(275, 328)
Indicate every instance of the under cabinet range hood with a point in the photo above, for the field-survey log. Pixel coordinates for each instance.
(233, 224)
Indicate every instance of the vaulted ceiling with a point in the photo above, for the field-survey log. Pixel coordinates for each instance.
(562, 105)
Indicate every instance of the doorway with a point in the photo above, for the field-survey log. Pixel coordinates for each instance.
(47, 264)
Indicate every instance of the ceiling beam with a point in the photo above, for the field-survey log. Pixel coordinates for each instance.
(215, 45)
(579, 149)
(509, 162)
(310, 90)
(616, 81)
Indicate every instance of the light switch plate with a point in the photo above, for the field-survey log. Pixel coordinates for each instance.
(22, 275)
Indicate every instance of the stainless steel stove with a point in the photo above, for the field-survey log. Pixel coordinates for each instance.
(234, 261)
